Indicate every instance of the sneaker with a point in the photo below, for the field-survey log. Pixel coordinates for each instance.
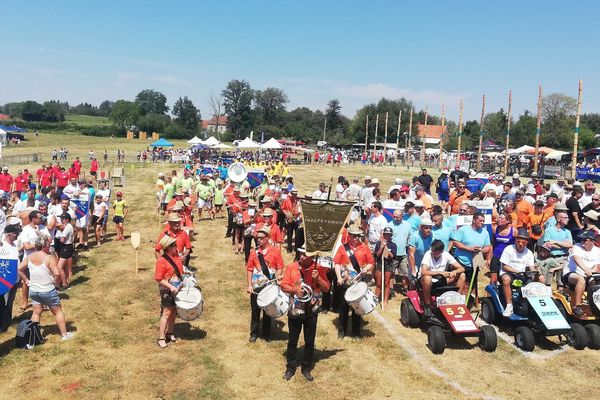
(68, 336)
(578, 311)
(508, 311)
(289, 373)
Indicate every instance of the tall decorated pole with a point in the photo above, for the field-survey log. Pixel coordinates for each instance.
(398, 138)
(460, 131)
(423, 150)
(376, 132)
(367, 136)
(385, 138)
(538, 131)
(507, 132)
(481, 133)
(576, 134)
(409, 145)
(442, 137)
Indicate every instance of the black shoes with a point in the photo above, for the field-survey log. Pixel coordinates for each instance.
(306, 373)
(252, 338)
(341, 334)
(289, 373)
(427, 312)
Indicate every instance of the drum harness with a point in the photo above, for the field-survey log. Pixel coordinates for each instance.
(353, 259)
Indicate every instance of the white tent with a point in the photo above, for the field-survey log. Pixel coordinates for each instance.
(247, 144)
(271, 144)
(195, 140)
(221, 146)
(555, 155)
(521, 150)
(211, 141)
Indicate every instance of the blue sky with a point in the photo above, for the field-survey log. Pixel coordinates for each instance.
(433, 52)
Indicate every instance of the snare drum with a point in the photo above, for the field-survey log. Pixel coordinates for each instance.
(273, 301)
(189, 303)
(361, 298)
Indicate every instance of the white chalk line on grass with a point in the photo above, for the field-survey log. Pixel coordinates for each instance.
(425, 363)
(529, 354)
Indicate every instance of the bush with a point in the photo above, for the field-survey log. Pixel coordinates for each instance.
(175, 131)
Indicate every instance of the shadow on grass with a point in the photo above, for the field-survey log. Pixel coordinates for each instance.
(53, 329)
(188, 332)
(277, 332)
(79, 280)
(364, 332)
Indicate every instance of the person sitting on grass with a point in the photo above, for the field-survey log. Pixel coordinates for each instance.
(582, 263)
(438, 262)
(516, 259)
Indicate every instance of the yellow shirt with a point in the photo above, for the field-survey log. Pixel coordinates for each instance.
(119, 207)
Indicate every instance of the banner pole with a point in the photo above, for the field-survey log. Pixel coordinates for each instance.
(398, 138)
(460, 128)
(538, 131)
(442, 138)
(507, 132)
(481, 133)
(576, 133)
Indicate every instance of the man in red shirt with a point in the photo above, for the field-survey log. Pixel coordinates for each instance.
(351, 259)
(184, 246)
(303, 314)
(62, 180)
(264, 264)
(46, 177)
(267, 220)
(229, 191)
(21, 182)
(6, 180)
(77, 166)
(94, 167)
(291, 210)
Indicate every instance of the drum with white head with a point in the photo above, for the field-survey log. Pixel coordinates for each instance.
(273, 301)
(189, 303)
(361, 298)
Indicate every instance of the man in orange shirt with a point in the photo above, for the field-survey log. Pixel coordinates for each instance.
(351, 259)
(267, 220)
(264, 264)
(184, 246)
(229, 191)
(303, 314)
(457, 197)
(551, 201)
(537, 219)
(290, 208)
(523, 209)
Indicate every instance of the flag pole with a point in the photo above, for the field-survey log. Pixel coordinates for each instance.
(481, 132)
(385, 138)
(398, 138)
(376, 132)
(460, 128)
(507, 132)
(538, 131)
(576, 133)
(367, 136)
(442, 137)
(423, 151)
(409, 146)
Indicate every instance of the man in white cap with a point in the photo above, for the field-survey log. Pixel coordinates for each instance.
(558, 187)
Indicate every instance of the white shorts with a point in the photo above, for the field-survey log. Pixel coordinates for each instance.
(82, 222)
(204, 204)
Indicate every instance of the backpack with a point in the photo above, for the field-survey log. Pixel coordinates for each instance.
(28, 334)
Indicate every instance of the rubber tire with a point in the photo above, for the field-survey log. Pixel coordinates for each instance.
(436, 339)
(487, 307)
(593, 331)
(488, 340)
(408, 315)
(578, 338)
(524, 338)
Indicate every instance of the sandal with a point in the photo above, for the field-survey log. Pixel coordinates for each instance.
(171, 338)
(158, 341)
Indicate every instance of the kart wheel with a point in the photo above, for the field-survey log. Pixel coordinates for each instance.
(524, 338)
(488, 312)
(578, 337)
(408, 315)
(594, 335)
(488, 341)
(436, 339)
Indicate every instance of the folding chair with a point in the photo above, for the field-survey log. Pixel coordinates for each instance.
(118, 177)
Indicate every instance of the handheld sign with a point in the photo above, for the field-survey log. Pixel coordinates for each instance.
(9, 261)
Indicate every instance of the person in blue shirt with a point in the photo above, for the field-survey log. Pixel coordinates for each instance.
(418, 244)
(401, 231)
(471, 240)
(222, 170)
(411, 216)
(439, 231)
(557, 237)
(473, 184)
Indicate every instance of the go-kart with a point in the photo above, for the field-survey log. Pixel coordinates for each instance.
(450, 317)
(534, 313)
(591, 309)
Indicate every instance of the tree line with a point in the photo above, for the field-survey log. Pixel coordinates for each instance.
(265, 112)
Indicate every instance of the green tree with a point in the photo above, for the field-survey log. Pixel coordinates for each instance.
(153, 122)
(495, 127)
(186, 113)
(393, 107)
(237, 101)
(13, 109)
(105, 108)
(124, 114)
(151, 102)
(523, 132)
(587, 139)
(33, 111)
(334, 116)
(270, 104)
(558, 121)
(592, 121)
(55, 111)
(558, 105)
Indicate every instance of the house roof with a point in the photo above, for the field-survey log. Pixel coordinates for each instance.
(213, 121)
(433, 131)
(4, 116)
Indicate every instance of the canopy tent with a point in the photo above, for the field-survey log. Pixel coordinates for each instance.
(271, 144)
(199, 146)
(248, 144)
(162, 142)
(13, 128)
(195, 140)
(221, 146)
(432, 141)
(493, 154)
(211, 141)
(555, 155)
(521, 150)
(542, 150)
(303, 149)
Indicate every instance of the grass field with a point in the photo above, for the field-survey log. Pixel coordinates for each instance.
(115, 314)
(86, 120)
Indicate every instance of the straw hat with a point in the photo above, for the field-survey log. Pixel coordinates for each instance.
(267, 211)
(173, 217)
(265, 230)
(165, 242)
(354, 230)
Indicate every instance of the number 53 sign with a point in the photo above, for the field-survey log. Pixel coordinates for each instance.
(459, 318)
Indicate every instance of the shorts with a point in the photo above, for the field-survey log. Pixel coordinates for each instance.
(49, 299)
(66, 251)
(402, 265)
(167, 299)
(96, 221)
(204, 203)
(443, 196)
(118, 220)
(57, 245)
(105, 219)
(495, 265)
(82, 222)
(565, 280)
(439, 283)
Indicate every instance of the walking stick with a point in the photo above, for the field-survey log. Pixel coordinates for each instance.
(473, 277)
(382, 283)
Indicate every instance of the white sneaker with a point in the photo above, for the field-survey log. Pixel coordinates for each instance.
(68, 336)
(508, 311)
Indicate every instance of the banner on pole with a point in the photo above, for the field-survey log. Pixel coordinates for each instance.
(322, 225)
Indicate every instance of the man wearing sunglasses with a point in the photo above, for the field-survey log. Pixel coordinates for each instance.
(583, 261)
(457, 197)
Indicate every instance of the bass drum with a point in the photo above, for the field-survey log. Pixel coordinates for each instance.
(189, 303)
(273, 301)
(361, 298)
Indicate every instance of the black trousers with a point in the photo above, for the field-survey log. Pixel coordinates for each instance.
(6, 306)
(344, 309)
(229, 222)
(329, 300)
(290, 227)
(254, 322)
(247, 246)
(298, 240)
(309, 323)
